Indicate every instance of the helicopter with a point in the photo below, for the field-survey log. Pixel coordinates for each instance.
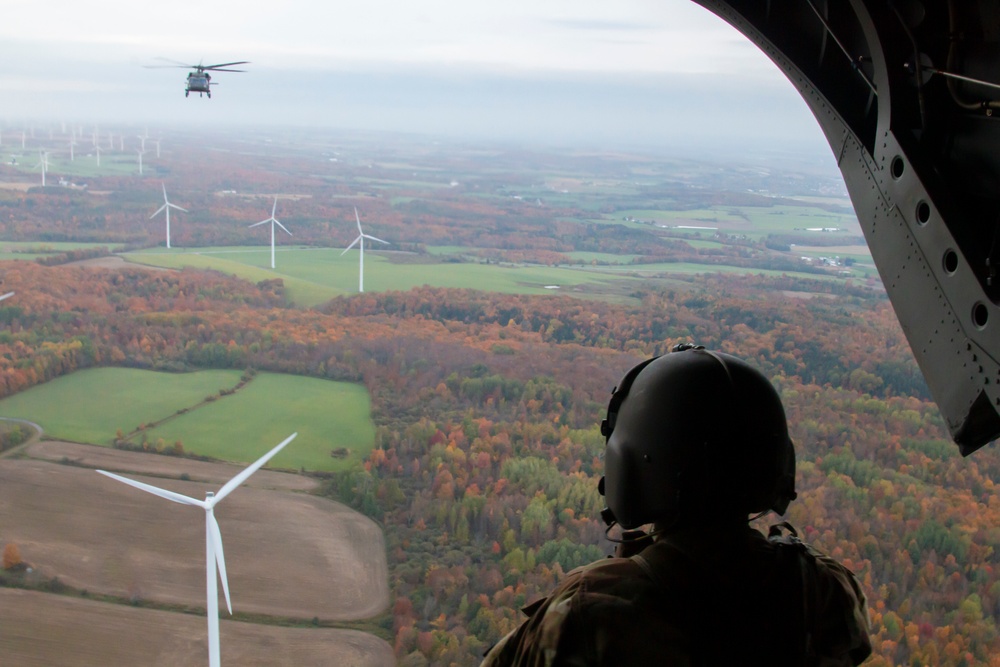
(199, 80)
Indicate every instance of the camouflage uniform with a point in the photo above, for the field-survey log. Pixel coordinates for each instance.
(698, 598)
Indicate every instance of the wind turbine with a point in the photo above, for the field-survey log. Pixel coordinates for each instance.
(98, 149)
(166, 209)
(72, 144)
(361, 238)
(273, 221)
(140, 152)
(215, 560)
(43, 162)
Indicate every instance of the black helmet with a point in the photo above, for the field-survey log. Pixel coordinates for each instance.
(691, 433)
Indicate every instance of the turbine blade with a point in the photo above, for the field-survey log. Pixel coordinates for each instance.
(242, 477)
(156, 491)
(351, 246)
(356, 217)
(274, 209)
(283, 227)
(6, 296)
(164, 193)
(260, 223)
(220, 561)
(178, 207)
(158, 211)
(369, 236)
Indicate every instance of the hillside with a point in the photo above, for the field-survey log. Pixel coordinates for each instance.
(487, 452)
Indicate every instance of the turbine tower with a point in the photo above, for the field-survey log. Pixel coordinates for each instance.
(140, 152)
(361, 238)
(98, 149)
(273, 221)
(215, 560)
(166, 210)
(43, 162)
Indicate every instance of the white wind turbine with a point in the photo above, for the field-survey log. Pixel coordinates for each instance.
(273, 221)
(361, 238)
(166, 209)
(98, 149)
(140, 152)
(43, 162)
(215, 560)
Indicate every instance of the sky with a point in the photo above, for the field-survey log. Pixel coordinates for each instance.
(629, 73)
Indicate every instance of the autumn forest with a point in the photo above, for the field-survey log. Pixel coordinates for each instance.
(486, 404)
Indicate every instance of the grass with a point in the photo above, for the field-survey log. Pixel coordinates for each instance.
(315, 275)
(89, 406)
(327, 415)
(18, 250)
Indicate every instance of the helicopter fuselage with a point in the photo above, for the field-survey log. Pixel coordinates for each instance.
(198, 82)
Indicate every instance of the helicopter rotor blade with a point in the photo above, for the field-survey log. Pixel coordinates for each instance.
(216, 67)
(173, 63)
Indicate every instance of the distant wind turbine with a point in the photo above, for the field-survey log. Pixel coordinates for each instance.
(361, 239)
(166, 210)
(43, 162)
(72, 144)
(140, 152)
(98, 149)
(215, 560)
(273, 221)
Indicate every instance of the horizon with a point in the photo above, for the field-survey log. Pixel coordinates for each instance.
(647, 75)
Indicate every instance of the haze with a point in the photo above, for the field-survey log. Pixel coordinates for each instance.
(640, 73)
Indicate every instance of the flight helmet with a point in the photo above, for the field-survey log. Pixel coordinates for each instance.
(695, 433)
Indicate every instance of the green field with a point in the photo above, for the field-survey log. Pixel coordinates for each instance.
(755, 221)
(91, 405)
(29, 250)
(315, 275)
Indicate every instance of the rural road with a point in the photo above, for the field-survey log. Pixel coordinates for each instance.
(32, 439)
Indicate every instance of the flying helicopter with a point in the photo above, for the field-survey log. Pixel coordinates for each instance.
(199, 80)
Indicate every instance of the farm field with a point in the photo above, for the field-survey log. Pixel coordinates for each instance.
(753, 221)
(30, 250)
(313, 276)
(214, 474)
(42, 630)
(91, 405)
(288, 554)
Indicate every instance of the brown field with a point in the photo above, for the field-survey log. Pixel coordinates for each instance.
(287, 553)
(45, 630)
(127, 463)
(23, 187)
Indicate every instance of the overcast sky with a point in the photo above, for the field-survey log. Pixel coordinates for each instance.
(636, 72)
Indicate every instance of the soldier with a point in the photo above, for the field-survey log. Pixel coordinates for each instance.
(697, 445)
